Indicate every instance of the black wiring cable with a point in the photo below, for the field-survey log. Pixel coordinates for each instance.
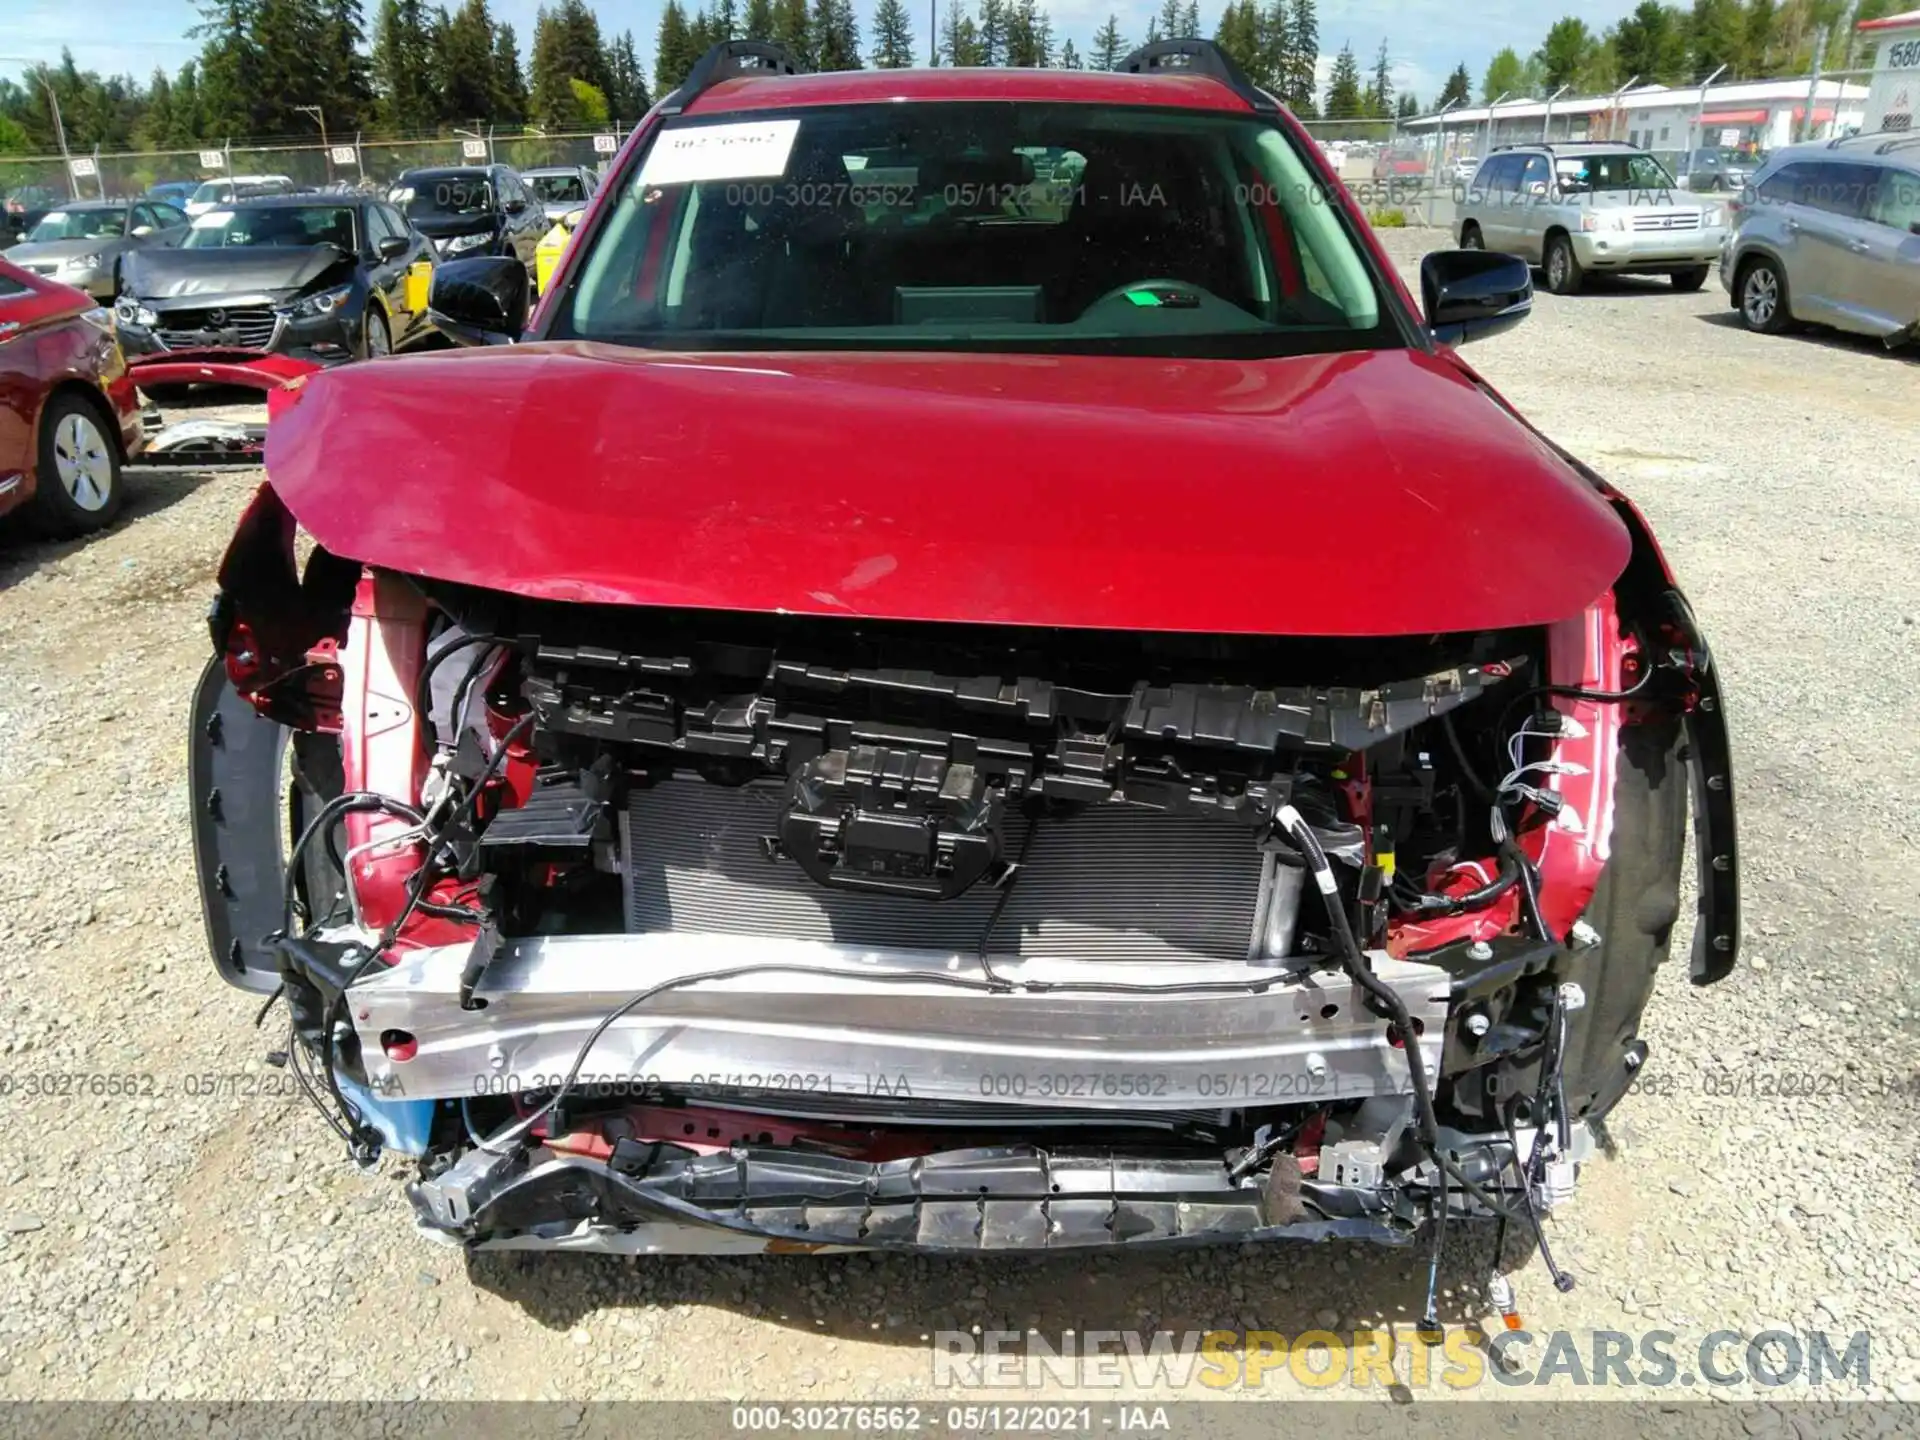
(1354, 961)
(1007, 882)
(423, 687)
(349, 803)
(1481, 790)
(463, 692)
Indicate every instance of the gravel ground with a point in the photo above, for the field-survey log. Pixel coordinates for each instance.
(202, 1239)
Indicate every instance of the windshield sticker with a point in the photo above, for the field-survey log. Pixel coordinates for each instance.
(753, 150)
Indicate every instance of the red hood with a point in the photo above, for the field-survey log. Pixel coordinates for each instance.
(1358, 494)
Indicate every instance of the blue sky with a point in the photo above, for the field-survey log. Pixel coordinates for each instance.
(1425, 38)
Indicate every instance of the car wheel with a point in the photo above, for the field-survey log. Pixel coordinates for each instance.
(1763, 297)
(77, 485)
(1470, 237)
(1688, 281)
(379, 340)
(1564, 275)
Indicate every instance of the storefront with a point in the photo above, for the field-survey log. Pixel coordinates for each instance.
(1895, 92)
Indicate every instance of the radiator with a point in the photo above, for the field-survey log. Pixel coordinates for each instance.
(1110, 882)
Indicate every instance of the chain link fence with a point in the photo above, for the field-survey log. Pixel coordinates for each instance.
(37, 181)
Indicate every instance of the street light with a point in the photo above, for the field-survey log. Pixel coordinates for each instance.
(326, 153)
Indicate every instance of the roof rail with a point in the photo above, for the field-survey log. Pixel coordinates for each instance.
(1196, 57)
(1888, 136)
(726, 61)
(1900, 142)
(1551, 147)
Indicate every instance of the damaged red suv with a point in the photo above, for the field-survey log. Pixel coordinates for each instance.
(978, 677)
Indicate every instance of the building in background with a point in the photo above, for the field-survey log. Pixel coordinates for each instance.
(1895, 91)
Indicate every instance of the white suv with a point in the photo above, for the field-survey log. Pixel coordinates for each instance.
(1595, 206)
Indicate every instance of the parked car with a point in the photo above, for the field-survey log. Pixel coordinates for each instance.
(1464, 168)
(83, 244)
(732, 711)
(1830, 234)
(238, 187)
(173, 192)
(323, 278)
(560, 189)
(1590, 208)
(69, 417)
(473, 210)
(1718, 169)
(22, 210)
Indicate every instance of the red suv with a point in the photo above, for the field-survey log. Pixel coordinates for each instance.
(979, 677)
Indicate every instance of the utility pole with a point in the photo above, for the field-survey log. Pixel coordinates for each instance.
(933, 32)
(1813, 86)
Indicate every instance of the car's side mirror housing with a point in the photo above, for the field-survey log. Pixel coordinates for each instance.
(1472, 294)
(482, 301)
(516, 207)
(392, 245)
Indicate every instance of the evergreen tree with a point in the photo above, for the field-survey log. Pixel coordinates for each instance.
(1379, 96)
(1029, 35)
(626, 81)
(673, 49)
(1069, 57)
(723, 23)
(892, 36)
(1303, 58)
(345, 80)
(1108, 46)
(993, 32)
(1459, 87)
(1190, 21)
(759, 21)
(1344, 98)
(1568, 53)
(1409, 107)
(406, 97)
(791, 29)
(1652, 43)
(1272, 36)
(468, 89)
(1761, 22)
(1170, 22)
(229, 64)
(1717, 35)
(509, 85)
(960, 40)
(1238, 34)
(834, 35)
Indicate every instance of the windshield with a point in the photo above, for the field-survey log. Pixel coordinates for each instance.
(447, 193)
(214, 190)
(1614, 172)
(990, 226)
(79, 225)
(557, 189)
(285, 225)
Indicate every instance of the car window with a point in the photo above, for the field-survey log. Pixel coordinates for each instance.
(557, 189)
(1835, 187)
(11, 288)
(1895, 200)
(274, 225)
(1535, 173)
(78, 225)
(1500, 174)
(1184, 234)
(169, 216)
(442, 194)
(395, 223)
(143, 215)
(213, 191)
(378, 228)
(1622, 170)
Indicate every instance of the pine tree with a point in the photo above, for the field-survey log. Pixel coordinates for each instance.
(509, 85)
(1379, 96)
(1168, 24)
(626, 80)
(960, 40)
(993, 32)
(892, 36)
(834, 35)
(404, 81)
(1344, 98)
(1274, 34)
(673, 49)
(346, 80)
(1069, 57)
(759, 22)
(1108, 46)
(1190, 21)
(790, 28)
(467, 83)
(1761, 21)
(1409, 106)
(1303, 58)
(723, 23)
(1029, 35)
(1238, 34)
(1459, 87)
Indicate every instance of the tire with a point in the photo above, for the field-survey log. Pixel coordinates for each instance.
(1688, 281)
(1470, 237)
(77, 484)
(1564, 275)
(378, 337)
(1762, 296)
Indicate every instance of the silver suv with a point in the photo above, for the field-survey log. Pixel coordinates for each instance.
(1831, 234)
(1593, 207)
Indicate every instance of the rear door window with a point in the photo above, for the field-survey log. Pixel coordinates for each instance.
(1895, 200)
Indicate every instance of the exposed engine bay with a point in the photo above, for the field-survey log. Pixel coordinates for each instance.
(652, 929)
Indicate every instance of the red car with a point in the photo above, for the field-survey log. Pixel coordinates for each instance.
(69, 418)
(923, 707)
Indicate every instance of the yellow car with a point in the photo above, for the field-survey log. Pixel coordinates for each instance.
(553, 244)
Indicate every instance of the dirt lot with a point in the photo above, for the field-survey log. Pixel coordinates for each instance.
(208, 1238)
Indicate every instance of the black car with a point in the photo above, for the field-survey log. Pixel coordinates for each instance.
(326, 279)
(473, 210)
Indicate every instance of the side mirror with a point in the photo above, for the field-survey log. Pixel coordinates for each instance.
(1537, 188)
(482, 301)
(572, 219)
(141, 231)
(392, 245)
(1472, 294)
(516, 207)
